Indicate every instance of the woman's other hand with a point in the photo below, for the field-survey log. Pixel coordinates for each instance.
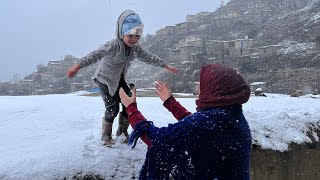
(163, 90)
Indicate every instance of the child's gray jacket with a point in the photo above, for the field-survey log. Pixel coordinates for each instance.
(114, 61)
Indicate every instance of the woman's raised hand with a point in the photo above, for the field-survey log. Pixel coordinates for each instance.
(125, 99)
(162, 90)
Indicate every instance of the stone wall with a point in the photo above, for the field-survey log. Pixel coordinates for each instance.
(302, 162)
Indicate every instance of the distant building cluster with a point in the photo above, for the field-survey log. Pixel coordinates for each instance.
(253, 11)
(201, 38)
(50, 78)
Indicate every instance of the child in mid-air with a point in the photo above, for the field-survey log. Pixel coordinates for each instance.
(110, 75)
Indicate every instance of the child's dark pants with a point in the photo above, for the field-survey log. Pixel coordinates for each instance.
(112, 102)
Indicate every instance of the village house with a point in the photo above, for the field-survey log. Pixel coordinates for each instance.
(164, 32)
(265, 51)
(192, 40)
(184, 53)
(233, 48)
(185, 27)
(61, 65)
(202, 17)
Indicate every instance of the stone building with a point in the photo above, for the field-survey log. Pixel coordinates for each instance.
(185, 27)
(202, 17)
(192, 40)
(233, 48)
(184, 53)
(61, 65)
(164, 32)
(241, 47)
(251, 9)
(265, 51)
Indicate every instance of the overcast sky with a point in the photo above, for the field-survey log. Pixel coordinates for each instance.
(33, 32)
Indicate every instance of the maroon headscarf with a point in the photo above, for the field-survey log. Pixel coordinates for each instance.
(221, 85)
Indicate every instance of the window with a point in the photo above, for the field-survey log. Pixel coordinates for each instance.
(250, 5)
(232, 44)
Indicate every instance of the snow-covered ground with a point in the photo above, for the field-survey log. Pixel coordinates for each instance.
(57, 136)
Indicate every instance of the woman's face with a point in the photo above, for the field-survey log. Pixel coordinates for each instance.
(131, 40)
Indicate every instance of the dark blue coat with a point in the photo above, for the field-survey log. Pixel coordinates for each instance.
(213, 143)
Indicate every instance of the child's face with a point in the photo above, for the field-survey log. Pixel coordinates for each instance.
(131, 40)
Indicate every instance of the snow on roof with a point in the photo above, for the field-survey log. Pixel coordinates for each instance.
(257, 83)
(27, 80)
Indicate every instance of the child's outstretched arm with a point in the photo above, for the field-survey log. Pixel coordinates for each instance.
(89, 59)
(171, 69)
(150, 58)
(73, 70)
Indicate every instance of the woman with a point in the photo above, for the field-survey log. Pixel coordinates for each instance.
(212, 143)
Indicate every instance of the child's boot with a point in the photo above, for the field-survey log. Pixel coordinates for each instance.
(123, 127)
(106, 137)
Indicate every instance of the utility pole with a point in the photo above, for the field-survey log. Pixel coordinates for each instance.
(15, 78)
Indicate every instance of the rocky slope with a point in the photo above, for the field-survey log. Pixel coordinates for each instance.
(295, 31)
